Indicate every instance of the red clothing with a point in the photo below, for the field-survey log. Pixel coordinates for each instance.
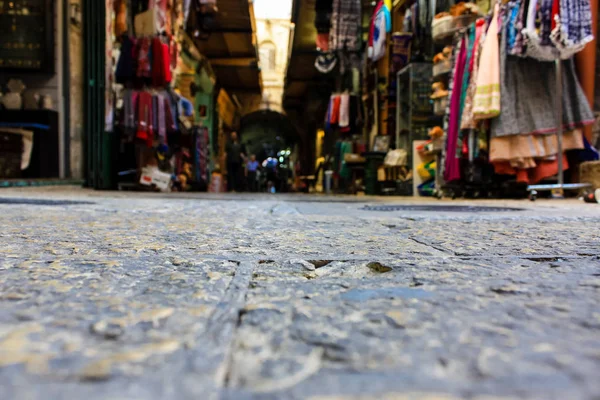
(144, 67)
(335, 110)
(145, 128)
(161, 63)
(555, 12)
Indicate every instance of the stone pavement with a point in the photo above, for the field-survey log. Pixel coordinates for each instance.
(162, 297)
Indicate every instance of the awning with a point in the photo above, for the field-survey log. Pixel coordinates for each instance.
(231, 48)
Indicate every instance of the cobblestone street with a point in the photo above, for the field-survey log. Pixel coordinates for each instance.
(117, 296)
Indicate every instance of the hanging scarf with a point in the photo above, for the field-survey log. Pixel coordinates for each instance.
(145, 129)
(486, 103)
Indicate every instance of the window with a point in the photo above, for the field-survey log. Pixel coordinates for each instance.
(268, 53)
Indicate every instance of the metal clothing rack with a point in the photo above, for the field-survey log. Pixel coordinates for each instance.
(558, 189)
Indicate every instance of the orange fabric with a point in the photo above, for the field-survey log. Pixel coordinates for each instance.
(544, 169)
(520, 150)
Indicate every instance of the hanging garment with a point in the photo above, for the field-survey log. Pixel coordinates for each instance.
(145, 128)
(534, 46)
(125, 66)
(169, 114)
(144, 66)
(573, 28)
(166, 58)
(158, 64)
(162, 18)
(377, 38)
(528, 98)
(522, 150)
(335, 110)
(545, 21)
(511, 21)
(486, 103)
(543, 169)
(344, 110)
(173, 55)
(120, 17)
(161, 127)
(129, 107)
(323, 10)
(468, 70)
(345, 25)
(468, 120)
(452, 165)
(518, 49)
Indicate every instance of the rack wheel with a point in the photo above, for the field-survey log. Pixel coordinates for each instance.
(533, 195)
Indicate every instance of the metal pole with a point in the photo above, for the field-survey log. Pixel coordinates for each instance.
(559, 132)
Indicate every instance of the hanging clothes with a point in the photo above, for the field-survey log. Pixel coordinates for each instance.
(522, 150)
(121, 16)
(145, 128)
(380, 26)
(468, 120)
(345, 25)
(574, 26)
(452, 164)
(323, 11)
(486, 103)
(335, 109)
(125, 65)
(528, 98)
(344, 110)
(142, 55)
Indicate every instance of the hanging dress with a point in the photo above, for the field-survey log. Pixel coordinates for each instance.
(467, 120)
(486, 103)
(528, 89)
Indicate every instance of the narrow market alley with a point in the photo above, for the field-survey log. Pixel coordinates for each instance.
(299, 199)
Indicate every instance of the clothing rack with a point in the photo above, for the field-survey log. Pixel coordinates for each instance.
(558, 189)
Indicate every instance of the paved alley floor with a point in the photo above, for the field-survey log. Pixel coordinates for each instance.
(126, 296)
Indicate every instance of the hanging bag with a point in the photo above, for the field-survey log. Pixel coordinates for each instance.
(486, 103)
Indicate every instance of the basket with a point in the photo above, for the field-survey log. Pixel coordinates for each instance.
(440, 105)
(442, 68)
(589, 172)
(463, 21)
(441, 27)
